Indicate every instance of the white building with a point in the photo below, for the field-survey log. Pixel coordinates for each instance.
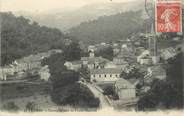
(5, 71)
(157, 72)
(125, 89)
(144, 58)
(44, 73)
(73, 65)
(92, 48)
(110, 65)
(168, 53)
(105, 75)
(93, 62)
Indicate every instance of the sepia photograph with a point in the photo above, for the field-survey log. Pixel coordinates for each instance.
(90, 55)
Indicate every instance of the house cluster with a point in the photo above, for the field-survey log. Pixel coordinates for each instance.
(17, 70)
(101, 69)
(30, 64)
(126, 55)
(105, 71)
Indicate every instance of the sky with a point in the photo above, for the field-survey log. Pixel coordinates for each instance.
(47, 5)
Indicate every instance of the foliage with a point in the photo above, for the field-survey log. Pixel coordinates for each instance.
(166, 93)
(109, 90)
(21, 37)
(174, 70)
(135, 73)
(79, 95)
(66, 91)
(61, 83)
(162, 94)
(11, 106)
(106, 53)
(55, 63)
(72, 52)
(107, 28)
(31, 107)
(65, 87)
(32, 77)
(85, 73)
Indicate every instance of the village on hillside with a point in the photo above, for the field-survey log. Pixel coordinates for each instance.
(109, 77)
(118, 82)
(90, 56)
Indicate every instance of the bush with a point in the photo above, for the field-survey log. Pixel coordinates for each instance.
(166, 93)
(109, 90)
(11, 106)
(31, 107)
(77, 95)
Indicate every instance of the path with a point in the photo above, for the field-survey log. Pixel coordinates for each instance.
(103, 100)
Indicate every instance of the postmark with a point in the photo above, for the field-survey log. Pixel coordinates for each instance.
(168, 16)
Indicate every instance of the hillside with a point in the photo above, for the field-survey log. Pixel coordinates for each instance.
(66, 19)
(108, 28)
(21, 37)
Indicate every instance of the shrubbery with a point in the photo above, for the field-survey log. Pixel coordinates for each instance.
(11, 106)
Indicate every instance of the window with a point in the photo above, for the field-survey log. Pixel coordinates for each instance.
(110, 75)
(116, 75)
(99, 75)
(93, 75)
(105, 76)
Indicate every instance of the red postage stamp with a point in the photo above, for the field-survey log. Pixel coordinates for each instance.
(168, 16)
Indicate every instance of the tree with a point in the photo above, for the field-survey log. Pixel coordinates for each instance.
(55, 63)
(166, 93)
(72, 51)
(31, 107)
(108, 28)
(85, 73)
(175, 77)
(61, 82)
(135, 73)
(106, 53)
(11, 106)
(109, 90)
(81, 96)
(20, 38)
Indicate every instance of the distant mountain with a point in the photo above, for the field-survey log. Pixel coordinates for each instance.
(110, 28)
(68, 19)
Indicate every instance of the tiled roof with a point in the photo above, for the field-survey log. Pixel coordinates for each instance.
(106, 71)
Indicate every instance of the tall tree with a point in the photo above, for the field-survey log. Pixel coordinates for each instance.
(167, 93)
(72, 51)
(106, 53)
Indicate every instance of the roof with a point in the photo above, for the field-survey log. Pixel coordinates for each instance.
(94, 59)
(106, 71)
(122, 83)
(133, 81)
(76, 62)
(168, 52)
(158, 70)
(125, 54)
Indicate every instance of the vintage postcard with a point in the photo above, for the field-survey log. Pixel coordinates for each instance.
(91, 56)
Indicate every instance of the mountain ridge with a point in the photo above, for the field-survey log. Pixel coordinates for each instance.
(65, 20)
